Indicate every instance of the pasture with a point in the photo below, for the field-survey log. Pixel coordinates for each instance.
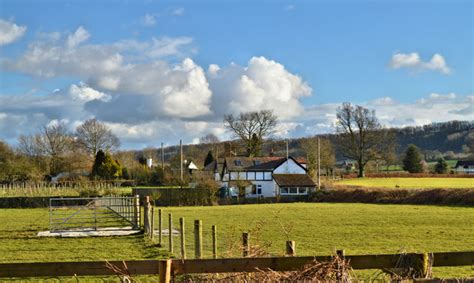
(317, 228)
(410, 183)
(320, 228)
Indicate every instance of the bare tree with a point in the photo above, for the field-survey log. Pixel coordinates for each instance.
(252, 128)
(209, 139)
(360, 134)
(94, 135)
(54, 142)
(28, 145)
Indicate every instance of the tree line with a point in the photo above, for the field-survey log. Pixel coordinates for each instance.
(92, 150)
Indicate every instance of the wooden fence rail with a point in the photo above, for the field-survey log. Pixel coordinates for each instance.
(190, 266)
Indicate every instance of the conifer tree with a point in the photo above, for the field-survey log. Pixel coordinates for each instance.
(412, 160)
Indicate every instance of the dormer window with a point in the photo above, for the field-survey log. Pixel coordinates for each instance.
(256, 162)
(238, 162)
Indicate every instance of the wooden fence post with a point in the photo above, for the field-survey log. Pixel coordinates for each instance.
(214, 241)
(197, 238)
(146, 216)
(164, 271)
(170, 232)
(152, 226)
(245, 244)
(183, 245)
(136, 210)
(341, 254)
(160, 227)
(290, 248)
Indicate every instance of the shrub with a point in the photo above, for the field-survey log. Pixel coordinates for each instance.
(441, 166)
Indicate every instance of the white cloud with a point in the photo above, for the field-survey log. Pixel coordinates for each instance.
(152, 91)
(178, 12)
(148, 20)
(76, 38)
(414, 62)
(263, 84)
(10, 32)
(85, 93)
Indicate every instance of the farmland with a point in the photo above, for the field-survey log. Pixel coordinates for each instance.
(322, 228)
(410, 183)
(316, 228)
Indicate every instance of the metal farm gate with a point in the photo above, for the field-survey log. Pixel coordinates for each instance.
(93, 213)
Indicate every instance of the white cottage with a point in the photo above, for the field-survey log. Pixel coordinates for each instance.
(266, 176)
(465, 166)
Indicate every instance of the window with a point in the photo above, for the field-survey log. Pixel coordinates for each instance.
(242, 175)
(256, 162)
(259, 176)
(259, 189)
(237, 162)
(284, 191)
(267, 175)
(302, 191)
(254, 190)
(250, 175)
(293, 190)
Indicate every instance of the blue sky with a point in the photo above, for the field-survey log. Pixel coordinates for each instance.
(411, 61)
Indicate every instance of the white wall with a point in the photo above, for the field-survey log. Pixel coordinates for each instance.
(268, 189)
(289, 167)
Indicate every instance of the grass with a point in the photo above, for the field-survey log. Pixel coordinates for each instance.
(410, 183)
(19, 242)
(317, 228)
(320, 228)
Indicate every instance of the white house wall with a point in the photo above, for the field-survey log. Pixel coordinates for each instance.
(268, 189)
(289, 167)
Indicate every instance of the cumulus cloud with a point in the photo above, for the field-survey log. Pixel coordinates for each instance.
(82, 92)
(178, 12)
(262, 84)
(152, 91)
(79, 36)
(413, 61)
(10, 32)
(148, 20)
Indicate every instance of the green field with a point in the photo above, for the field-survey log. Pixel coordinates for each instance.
(317, 228)
(410, 183)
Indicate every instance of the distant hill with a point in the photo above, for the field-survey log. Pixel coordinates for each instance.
(432, 139)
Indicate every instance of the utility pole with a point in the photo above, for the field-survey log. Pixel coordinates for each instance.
(319, 165)
(181, 158)
(287, 154)
(162, 157)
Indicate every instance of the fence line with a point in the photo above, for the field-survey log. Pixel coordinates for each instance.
(192, 266)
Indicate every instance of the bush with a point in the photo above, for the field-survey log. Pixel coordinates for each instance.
(441, 166)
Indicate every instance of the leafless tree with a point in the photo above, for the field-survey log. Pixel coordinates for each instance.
(54, 142)
(252, 128)
(28, 145)
(360, 134)
(94, 135)
(209, 139)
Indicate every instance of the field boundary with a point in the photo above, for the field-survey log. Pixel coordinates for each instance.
(173, 267)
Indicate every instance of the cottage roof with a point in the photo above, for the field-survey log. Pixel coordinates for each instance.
(293, 180)
(464, 163)
(253, 163)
